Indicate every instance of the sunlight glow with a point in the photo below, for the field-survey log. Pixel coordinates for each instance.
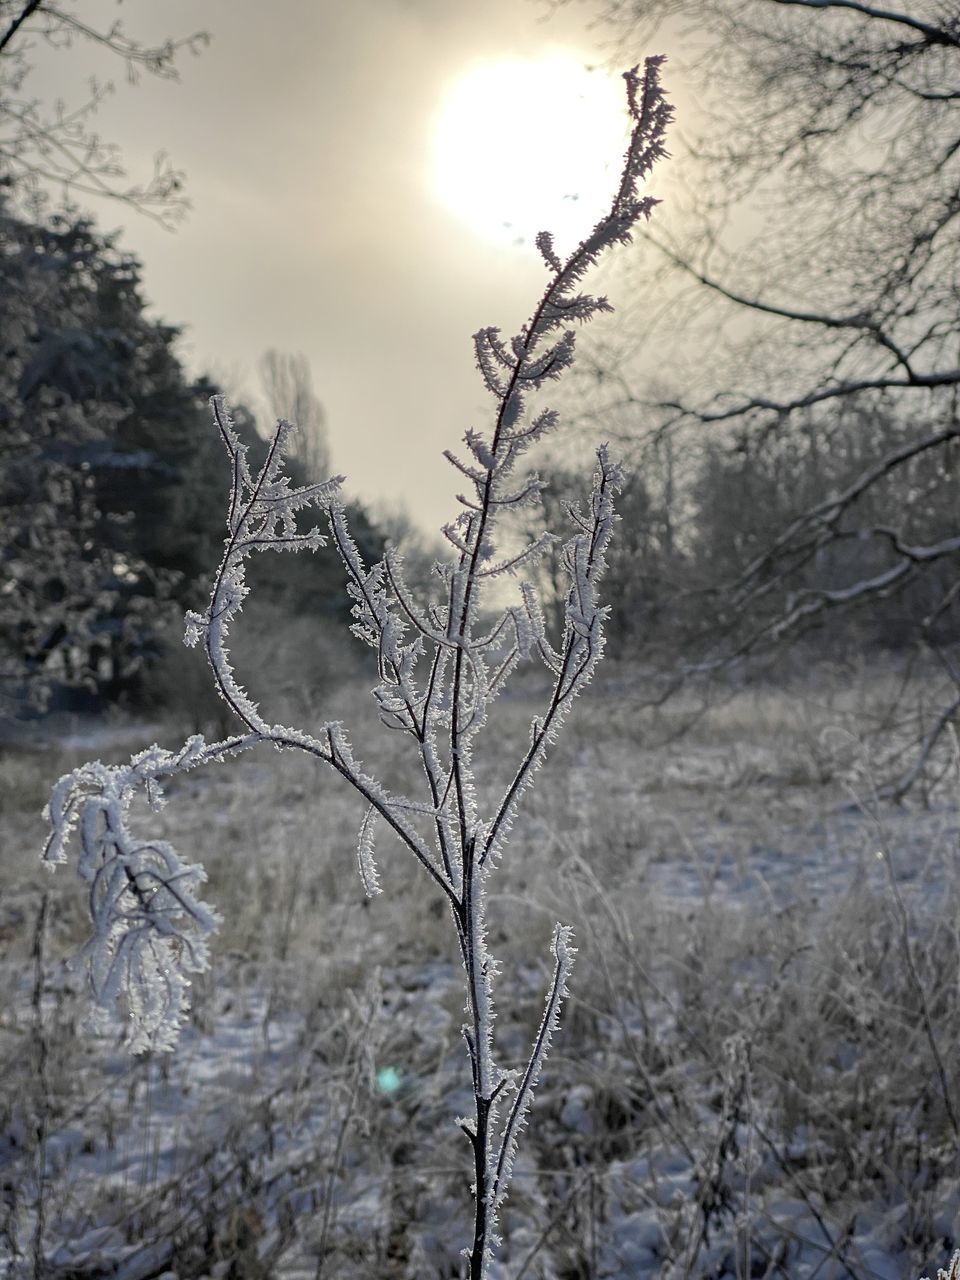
(530, 144)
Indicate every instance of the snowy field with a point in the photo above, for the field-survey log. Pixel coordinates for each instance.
(757, 1073)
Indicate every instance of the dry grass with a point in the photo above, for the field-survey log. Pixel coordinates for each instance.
(756, 1074)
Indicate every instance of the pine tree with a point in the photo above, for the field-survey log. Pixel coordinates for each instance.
(108, 472)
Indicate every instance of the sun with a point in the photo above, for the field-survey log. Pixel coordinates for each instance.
(523, 145)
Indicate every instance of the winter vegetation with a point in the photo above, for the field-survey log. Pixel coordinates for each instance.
(745, 1077)
(803, 406)
(150, 926)
(224, 1055)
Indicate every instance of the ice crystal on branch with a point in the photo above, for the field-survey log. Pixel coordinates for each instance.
(440, 665)
(150, 928)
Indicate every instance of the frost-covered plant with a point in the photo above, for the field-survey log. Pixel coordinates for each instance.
(440, 667)
(953, 1271)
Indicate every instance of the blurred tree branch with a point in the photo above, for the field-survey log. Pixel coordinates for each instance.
(44, 147)
(814, 326)
(288, 391)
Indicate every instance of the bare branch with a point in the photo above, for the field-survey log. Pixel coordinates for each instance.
(30, 8)
(935, 35)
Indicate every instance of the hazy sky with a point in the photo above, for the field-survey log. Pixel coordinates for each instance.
(320, 222)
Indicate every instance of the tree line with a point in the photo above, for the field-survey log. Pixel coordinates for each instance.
(111, 497)
(112, 481)
(799, 477)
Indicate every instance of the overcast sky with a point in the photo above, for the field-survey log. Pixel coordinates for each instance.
(319, 221)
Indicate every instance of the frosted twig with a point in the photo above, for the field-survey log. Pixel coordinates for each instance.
(440, 665)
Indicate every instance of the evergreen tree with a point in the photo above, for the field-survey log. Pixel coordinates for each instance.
(107, 459)
(111, 473)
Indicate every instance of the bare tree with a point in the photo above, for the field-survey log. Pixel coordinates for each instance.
(46, 147)
(814, 286)
(288, 391)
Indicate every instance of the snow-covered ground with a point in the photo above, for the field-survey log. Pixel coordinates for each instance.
(757, 1074)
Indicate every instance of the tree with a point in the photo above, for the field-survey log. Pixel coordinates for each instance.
(813, 276)
(843, 122)
(74, 602)
(105, 484)
(288, 391)
(754, 501)
(439, 671)
(55, 147)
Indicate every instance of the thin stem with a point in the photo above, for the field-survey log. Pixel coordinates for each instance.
(907, 948)
(43, 1085)
(18, 22)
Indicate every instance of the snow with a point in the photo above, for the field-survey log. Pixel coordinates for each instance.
(245, 1115)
